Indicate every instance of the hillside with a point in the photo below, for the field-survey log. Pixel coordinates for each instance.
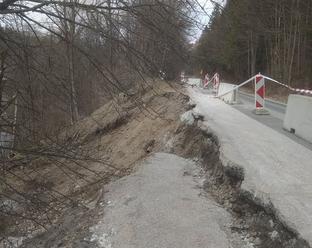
(105, 146)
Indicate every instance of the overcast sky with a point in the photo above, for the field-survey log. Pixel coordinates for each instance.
(203, 17)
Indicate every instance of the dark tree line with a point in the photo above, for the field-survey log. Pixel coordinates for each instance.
(247, 36)
(66, 58)
(59, 61)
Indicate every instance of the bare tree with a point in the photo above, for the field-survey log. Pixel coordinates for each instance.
(62, 60)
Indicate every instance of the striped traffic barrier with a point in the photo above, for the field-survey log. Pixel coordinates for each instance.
(259, 91)
(216, 81)
(259, 81)
(209, 81)
(206, 80)
(259, 95)
(301, 91)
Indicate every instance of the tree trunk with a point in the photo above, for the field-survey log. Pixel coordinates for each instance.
(253, 53)
(69, 33)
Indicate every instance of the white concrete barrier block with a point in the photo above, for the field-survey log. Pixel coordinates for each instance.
(194, 81)
(230, 97)
(298, 118)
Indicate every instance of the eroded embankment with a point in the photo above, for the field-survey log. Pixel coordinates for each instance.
(109, 143)
(255, 223)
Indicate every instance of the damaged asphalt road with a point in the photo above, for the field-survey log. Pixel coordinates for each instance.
(173, 202)
(162, 205)
(277, 169)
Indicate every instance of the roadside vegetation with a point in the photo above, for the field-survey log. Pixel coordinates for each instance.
(89, 88)
(246, 37)
(71, 73)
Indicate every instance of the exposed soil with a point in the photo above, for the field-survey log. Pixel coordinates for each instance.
(65, 193)
(254, 223)
(67, 197)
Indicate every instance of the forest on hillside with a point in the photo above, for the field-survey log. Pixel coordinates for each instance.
(61, 60)
(245, 37)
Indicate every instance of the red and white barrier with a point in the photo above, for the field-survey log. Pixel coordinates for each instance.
(206, 80)
(216, 81)
(210, 80)
(301, 91)
(259, 91)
